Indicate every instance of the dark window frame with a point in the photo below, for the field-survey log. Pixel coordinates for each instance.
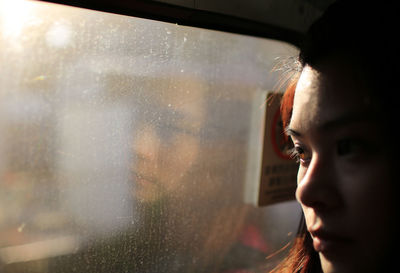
(187, 16)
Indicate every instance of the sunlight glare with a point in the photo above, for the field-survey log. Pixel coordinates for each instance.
(14, 15)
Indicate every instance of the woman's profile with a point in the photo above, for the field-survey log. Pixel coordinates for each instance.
(338, 112)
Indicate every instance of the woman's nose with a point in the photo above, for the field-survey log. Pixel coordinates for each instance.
(146, 144)
(317, 185)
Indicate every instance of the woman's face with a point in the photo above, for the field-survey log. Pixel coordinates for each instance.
(167, 145)
(344, 181)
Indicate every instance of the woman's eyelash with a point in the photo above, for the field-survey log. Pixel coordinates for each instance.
(295, 153)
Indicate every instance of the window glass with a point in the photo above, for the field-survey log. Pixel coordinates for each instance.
(124, 144)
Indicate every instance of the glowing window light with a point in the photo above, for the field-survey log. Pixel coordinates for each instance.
(14, 16)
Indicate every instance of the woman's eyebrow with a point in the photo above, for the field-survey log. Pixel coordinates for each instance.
(336, 123)
(346, 120)
(291, 132)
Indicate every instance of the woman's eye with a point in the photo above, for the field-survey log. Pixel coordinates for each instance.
(300, 155)
(348, 147)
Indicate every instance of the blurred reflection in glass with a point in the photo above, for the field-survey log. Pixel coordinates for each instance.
(167, 142)
(187, 180)
(124, 145)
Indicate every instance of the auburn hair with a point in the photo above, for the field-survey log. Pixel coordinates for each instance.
(286, 107)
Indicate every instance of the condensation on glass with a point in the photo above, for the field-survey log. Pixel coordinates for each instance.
(123, 145)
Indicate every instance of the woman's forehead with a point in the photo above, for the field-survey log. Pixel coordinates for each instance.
(324, 96)
(306, 103)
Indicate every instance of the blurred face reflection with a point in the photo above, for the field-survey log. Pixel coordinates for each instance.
(166, 144)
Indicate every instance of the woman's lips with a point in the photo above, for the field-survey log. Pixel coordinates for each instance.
(327, 241)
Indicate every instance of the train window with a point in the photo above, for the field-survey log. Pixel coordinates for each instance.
(124, 143)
